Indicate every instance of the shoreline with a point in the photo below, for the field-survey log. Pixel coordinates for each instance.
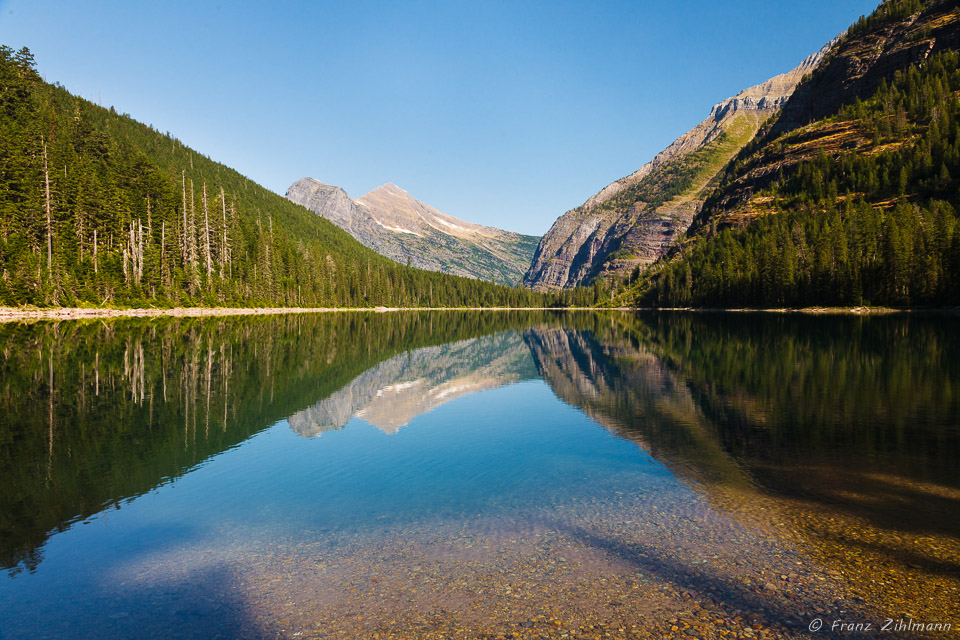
(857, 311)
(15, 314)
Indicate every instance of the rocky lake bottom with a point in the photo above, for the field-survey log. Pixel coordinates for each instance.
(480, 476)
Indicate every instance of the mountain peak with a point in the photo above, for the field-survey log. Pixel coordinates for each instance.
(395, 224)
(389, 189)
(309, 185)
(314, 181)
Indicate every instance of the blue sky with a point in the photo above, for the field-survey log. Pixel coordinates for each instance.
(502, 113)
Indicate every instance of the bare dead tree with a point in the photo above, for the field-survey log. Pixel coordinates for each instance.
(183, 230)
(233, 222)
(46, 179)
(163, 246)
(206, 234)
(80, 233)
(139, 250)
(149, 221)
(191, 230)
(127, 258)
(225, 251)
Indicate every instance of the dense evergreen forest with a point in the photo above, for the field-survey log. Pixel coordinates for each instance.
(98, 209)
(867, 216)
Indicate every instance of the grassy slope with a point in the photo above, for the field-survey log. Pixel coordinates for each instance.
(674, 190)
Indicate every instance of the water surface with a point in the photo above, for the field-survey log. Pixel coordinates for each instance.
(477, 475)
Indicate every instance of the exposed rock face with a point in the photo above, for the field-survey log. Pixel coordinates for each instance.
(635, 220)
(393, 223)
(336, 205)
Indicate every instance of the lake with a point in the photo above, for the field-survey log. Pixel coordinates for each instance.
(481, 475)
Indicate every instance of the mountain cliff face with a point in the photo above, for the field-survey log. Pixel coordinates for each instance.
(850, 197)
(395, 224)
(632, 222)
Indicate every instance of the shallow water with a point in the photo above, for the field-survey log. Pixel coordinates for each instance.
(477, 475)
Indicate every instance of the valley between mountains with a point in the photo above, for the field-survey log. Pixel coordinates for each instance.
(833, 184)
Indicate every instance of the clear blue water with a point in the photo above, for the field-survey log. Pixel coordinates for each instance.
(421, 485)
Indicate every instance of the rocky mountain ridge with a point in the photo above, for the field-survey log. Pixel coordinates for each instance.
(633, 221)
(395, 224)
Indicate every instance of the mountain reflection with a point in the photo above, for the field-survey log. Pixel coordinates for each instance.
(93, 413)
(397, 390)
(616, 380)
(859, 417)
(859, 413)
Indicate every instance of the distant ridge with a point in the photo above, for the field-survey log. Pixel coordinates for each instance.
(395, 224)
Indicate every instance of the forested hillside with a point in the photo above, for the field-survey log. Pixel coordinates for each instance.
(96, 208)
(851, 197)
